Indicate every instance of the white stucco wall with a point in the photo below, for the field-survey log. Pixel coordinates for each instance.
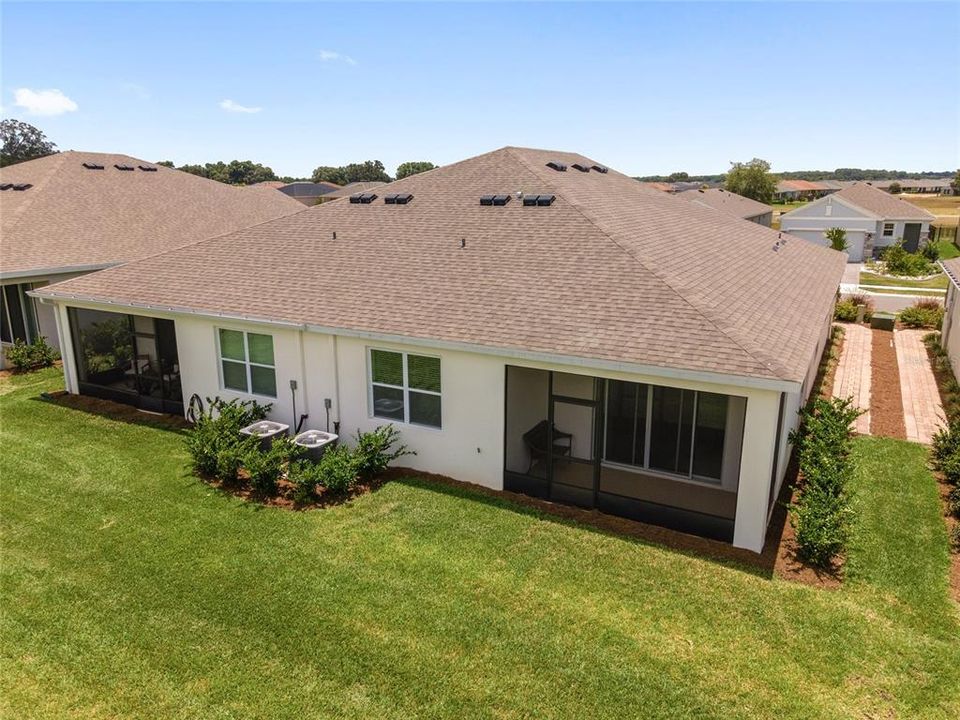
(951, 328)
(470, 444)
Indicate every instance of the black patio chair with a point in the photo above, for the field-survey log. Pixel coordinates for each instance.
(536, 440)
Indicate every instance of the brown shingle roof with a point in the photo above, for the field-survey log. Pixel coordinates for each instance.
(882, 204)
(610, 271)
(74, 217)
(726, 201)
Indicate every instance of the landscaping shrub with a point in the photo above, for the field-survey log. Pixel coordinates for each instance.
(38, 354)
(953, 502)
(899, 261)
(923, 314)
(822, 513)
(266, 466)
(866, 301)
(339, 469)
(375, 450)
(845, 311)
(837, 237)
(931, 252)
(955, 537)
(214, 442)
(304, 475)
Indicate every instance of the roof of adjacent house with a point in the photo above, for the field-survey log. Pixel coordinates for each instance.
(726, 201)
(73, 217)
(881, 203)
(306, 188)
(800, 186)
(952, 268)
(352, 189)
(610, 271)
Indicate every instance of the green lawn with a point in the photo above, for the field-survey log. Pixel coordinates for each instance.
(130, 589)
(937, 281)
(948, 249)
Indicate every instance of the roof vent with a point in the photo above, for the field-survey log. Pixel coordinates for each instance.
(558, 166)
(123, 167)
(147, 168)
(23, 186)
(6, 186)
(541, 200)
(397, 198)
(487, 199)
(600, 169)
(92, 166)
(581, 168)
(364, 198)
(501, 199)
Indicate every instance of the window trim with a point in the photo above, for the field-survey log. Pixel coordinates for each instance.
(892, 226)
(246, 362)
(405, 388)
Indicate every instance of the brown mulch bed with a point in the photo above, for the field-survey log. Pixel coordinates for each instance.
(116, 411)
(285, 492)
(951, 522)
(886, 402)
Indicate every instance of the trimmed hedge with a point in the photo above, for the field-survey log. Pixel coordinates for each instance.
(822, 513)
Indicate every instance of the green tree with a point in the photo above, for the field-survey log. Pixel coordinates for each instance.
(367, 171)
(678, 177)
(247, 172)
(194, 170)
(837, 237)
(327, 173)
(752, 180)
(955, 183)
(412, 168)
(166, 163)
(894, 188)
(22, 142)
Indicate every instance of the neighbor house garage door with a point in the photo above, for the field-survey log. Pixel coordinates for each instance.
(854, 241)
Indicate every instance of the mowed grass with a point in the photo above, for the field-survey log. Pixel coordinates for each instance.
(130, 589)
(936, 282)
(948, 249)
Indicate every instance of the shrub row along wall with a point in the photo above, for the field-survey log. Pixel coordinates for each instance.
(821, 513)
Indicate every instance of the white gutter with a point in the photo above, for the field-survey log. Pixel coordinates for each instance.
(44, 272)
(776, 384)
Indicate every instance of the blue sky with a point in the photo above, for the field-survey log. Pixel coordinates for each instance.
(646, 88)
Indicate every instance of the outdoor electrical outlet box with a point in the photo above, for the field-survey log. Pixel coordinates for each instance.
(327, 403)
(293, 384)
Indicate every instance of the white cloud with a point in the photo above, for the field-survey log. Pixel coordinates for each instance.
(138, 91)
(231, 106)
(43, 102)
(332, 56)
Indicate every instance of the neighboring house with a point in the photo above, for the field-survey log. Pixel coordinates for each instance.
(309, 193)
(352, 189)
(530, 320)
(75, 212)
(950, 330)
(731, 203)
(794, 190)
(873, 219)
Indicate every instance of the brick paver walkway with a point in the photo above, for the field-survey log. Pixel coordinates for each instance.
(852, 378)
(922, 412)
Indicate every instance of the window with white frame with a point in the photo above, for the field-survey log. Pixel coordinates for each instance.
(17, 320)
(888, 229)
(246, 362)
(405, 387)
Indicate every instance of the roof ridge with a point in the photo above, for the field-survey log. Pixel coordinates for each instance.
(776, 367)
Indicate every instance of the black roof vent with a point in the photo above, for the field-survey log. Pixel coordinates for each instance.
(558, 166)
(6, 186)
(123, 167)
(501, 199)
(92, 166)
(487, 199)
(23, 186)
(397, 198)
(600, 169)
(542, 200)
(581, 168)
(364, 198)
(147, 168)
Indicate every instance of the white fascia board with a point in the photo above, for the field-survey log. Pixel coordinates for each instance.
(46, 272)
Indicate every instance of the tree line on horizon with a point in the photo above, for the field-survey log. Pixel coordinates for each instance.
(838, 174)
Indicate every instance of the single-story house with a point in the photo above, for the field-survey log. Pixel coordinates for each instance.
(530, 319)
(793, 190)
(352, 189)
(873, 219)
(729, 202)
(72, 213)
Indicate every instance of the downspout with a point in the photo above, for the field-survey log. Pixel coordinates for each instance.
(298, 422)
(336, 383)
